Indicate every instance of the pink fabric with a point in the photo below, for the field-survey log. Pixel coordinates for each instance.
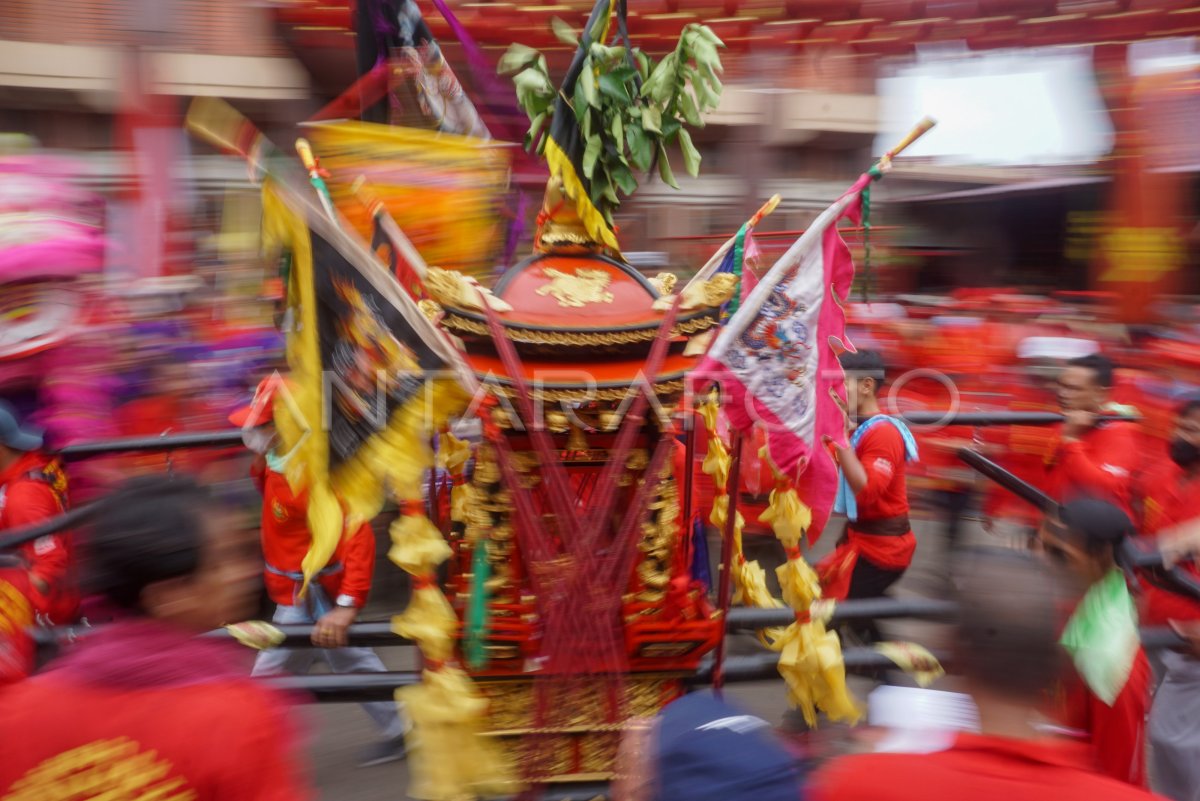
(60, 257)
(806, 460)
(139, 652)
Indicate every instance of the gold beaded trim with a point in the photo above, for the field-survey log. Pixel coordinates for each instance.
(529, 336)
(585, 394)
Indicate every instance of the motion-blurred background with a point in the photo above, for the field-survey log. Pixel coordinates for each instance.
(1054, 199)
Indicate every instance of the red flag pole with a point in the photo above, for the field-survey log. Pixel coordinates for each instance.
(725, 584)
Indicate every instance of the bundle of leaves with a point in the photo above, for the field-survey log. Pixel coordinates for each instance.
(630, 109)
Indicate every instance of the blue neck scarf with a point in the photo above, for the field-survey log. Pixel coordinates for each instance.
(845, 502)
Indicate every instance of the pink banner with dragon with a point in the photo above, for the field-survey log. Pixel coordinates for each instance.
(776, 358)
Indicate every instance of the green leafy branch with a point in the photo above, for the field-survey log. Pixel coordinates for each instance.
(630, 109)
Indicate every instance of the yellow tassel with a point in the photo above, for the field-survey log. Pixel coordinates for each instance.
(810, 662)
(449, 758)
(810, 657)
(799, 583)
(417, 545)
(430, 622)
(716, 463)
(453, 453)
(788, 516)
(720, 513)
(256, 634)
(914, 660)
(462, 497)
(710, 410)
(325, 524)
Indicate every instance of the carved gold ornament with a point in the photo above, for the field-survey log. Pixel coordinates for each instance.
(431, 309)
(664, 282)
(452, 288)
(578, 290)
(703, 294)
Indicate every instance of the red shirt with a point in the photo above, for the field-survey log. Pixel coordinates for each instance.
(883, 456)
(33, 489)
(976, 768)
(1100, 464)
(1118, 732)
(155, 714)
(286, 540)
(1168, 498)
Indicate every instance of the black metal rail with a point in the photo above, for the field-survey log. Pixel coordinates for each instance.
(748, 619)
(377, 634)
(19, 536)
(998, 418)
(166, 442)
(233, 437)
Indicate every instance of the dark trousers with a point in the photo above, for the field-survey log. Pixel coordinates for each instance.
(869, 580)
(955, 504)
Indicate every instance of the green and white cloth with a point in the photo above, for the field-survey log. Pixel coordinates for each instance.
(1102, 636)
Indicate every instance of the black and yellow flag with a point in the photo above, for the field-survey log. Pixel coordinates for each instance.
(565, 145)
(370, 378)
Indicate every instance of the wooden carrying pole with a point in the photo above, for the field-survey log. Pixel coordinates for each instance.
(920, 129)
(725, 582)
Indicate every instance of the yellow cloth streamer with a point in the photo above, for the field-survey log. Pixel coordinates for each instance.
(449, 758)
(810, 661)
(716, 462)
(462, 498)
(810, 657)
(256, 634)
(750, 586)
(799, 582)
(914, 660)
(788, 517)
(453, 453)
(430, 622)
(417, 545)
(709, 410)
(720, 513)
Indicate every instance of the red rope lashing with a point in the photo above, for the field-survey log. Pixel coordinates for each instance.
(412, 507)
(793, 553)
(426, 581)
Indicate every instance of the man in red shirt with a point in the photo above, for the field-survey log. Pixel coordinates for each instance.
(1008, 654)
(878, 545)
(1169, 495)
(33, 488)
(144, 707)
(1109, 694)
(1091, 457)
(340, 590)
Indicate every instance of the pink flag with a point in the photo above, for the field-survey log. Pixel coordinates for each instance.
(776, 358)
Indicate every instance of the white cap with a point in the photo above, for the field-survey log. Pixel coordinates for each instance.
(1056, 348)
(878, 311)
(921, 721)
